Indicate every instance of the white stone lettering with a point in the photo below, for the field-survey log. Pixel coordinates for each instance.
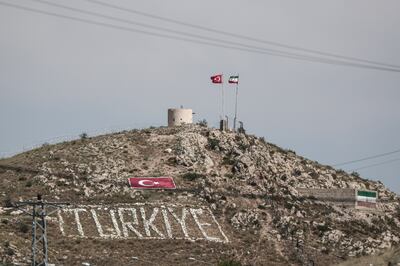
(195, 213)
(219, 227)
(181, 221)
(158, 221)
(166, 221)
(149, 223)
(115, 234)
(77, 219)
(115, 223)
(98, 225)
(129, 225)
(61, 222)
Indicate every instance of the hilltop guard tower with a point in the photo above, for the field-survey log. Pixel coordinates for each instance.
(177, 117)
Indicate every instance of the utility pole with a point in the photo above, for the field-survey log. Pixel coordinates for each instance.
(40, 210)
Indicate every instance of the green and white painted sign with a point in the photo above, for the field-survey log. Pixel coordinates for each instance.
(366, 198)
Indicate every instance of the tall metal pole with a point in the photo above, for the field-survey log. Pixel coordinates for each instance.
(33, 247)
(44, 233)
(236, 103)
(223, 103)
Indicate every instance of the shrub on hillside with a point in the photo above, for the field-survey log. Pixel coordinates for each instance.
(213, 143)
(355, 174)
(23, 228)
(229, 262)
(46, 144)
(29, 183)
(8, 250)
(83, 136)
(192, 176)
(203, 123)
(8, 202)
(291, 151)
(228, 160)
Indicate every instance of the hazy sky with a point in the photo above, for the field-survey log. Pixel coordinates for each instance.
(60, 77)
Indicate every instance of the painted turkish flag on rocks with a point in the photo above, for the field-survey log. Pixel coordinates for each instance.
(152, 182)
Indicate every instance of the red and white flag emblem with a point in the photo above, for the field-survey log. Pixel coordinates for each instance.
(152, 182)
(216, 79)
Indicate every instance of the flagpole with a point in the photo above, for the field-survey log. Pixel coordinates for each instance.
(223, 104)
(236, 103)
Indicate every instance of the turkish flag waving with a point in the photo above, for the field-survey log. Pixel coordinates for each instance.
(152, 182)
(216, 79)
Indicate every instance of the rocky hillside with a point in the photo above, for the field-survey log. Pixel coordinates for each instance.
(236, 202)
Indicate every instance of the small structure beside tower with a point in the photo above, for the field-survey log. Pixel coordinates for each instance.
(180, 116)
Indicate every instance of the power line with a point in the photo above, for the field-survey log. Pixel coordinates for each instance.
(279, 54)
(226, 33)
(164, 29)
(376, 164)
(368, 158)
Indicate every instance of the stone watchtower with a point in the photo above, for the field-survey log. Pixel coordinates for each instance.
(177, 117)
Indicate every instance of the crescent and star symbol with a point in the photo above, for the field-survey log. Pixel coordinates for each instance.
(148, 183)
(152, 182)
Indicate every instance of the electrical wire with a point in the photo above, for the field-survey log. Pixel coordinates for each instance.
(376, 164)
(296, 57)
(278, 52)
(367, 158)
(226, 33)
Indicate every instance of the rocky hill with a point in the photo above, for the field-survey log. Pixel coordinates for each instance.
(237, 202)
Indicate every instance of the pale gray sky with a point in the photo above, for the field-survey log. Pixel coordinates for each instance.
(60, 77)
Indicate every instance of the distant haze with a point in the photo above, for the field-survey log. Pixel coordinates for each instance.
(60, 77)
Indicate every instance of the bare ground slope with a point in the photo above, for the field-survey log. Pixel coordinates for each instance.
(236, 199)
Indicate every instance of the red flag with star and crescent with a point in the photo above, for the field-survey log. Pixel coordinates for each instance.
(216, 78)
(152, 182)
